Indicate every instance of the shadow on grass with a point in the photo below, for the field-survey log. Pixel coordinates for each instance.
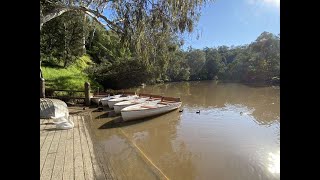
(62, 82)
(51, 65)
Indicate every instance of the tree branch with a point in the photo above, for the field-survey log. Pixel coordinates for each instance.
(98, 15)
(95, 14)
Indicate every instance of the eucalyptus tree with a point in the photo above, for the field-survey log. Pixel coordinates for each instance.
(142, 25)
(129, 17)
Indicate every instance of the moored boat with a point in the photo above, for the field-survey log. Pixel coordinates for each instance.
(120, 105)
(104, 101)
(148, 109)
(97, 97)
(112, 102)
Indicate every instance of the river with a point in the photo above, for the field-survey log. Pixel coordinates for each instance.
(236, 135)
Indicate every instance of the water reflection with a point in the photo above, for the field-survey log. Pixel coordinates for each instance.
(236, 135)
(208, 94)
(274, 163)
(158, 140)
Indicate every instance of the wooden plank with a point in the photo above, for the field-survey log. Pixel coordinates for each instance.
(88, 173)
(78, 160)
(43, 121)
(44, 130)
(47, 169)
(43, 134)
(68, 172)
(55, 142)
(60, 157)
(98, 171)
(43, 124)
(45, 148)
(51, 155)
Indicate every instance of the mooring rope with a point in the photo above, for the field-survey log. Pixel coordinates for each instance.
(145, 156)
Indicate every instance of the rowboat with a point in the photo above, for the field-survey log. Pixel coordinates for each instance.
(96, 99)
(104, 101)
(149, 109)
(142, 98)
(53, 108)
(112, 102)
(58, 111)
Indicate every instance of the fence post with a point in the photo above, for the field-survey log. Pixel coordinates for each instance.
(42, 88)
(87, 93)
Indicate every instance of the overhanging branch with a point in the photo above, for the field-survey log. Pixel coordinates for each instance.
(95, 14)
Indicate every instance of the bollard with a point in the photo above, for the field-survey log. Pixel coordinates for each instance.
(87, 93)
(42, 88)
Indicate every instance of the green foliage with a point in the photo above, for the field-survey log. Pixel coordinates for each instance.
(151, 56)
(178, 69)
(62, 39)
(139, 45)
(105, 45)
(121, 74)
(196, 61)
(71, 78)
(258, 62)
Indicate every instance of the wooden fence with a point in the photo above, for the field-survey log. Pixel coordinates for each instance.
(65, 94)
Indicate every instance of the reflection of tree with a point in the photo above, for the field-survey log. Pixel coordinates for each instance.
(207, 94)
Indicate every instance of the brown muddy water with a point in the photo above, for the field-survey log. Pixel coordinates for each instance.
(236, 135)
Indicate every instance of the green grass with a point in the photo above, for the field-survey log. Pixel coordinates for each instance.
(71, 78)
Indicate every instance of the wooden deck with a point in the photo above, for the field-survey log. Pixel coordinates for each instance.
(71, 154)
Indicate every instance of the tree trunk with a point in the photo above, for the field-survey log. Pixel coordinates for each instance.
(53, 14)
(91, 39)
(41, 75)
(84, 35)
(65, 52)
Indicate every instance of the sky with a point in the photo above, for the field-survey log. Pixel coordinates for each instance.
(234, 22)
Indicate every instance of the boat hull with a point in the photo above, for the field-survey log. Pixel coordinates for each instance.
(112, 102)
(96, 100)
(139, 114)
(119, 106)
(104, 101)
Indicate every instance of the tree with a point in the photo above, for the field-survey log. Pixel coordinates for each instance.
(142, 25)
(266, 56)
(195, 60)
(61, 39)
(129, 17)
(105, 46)
(178, 69)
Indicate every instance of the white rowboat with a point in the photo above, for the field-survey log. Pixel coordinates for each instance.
(96, 99)
(120, 105)
(147, 109)
(104, 101)
(112, 102)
